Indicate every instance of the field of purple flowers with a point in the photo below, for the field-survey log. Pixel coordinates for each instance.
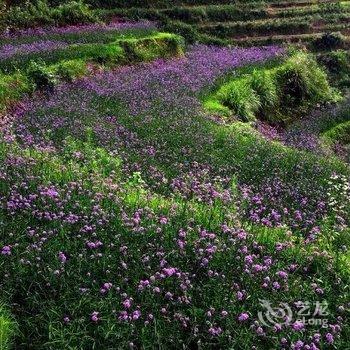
(131, 218)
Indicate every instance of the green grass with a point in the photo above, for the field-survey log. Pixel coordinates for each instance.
(71, 63)
(118, 197)
(270, 92)
(12, 88)
(95, 174)
(338, 134)
(7, 328)
(153, 45)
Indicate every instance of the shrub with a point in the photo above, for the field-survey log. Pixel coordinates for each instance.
(39, 13)
(329, 41)
(300, 79)
(29, 15)
(41, 76)
(7, 328)
(336, 62)
(74, 12)
(187, 31)
(264, 84)
(70, 70)
(241, 99)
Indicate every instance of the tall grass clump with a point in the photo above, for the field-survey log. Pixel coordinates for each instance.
(339, 134)
(241, 98)
(40, 13)
(264, 84)
(12, 87)
(187, 31)
(329, 41)
(301, 79)
(7, 328)
(337, 64)
(71, 69)
(271, 93)
(146, 49)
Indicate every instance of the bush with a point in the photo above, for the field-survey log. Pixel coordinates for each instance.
(41, 76)
(29, 15)
(241, 99)
(74, 12)
(39, 13)
(329, 41)
(7, 328)
(187, 31)
(70, 70)
(264, 84)
(301, 79)
(336, 62)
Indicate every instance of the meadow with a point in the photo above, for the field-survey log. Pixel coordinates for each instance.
(163, 188)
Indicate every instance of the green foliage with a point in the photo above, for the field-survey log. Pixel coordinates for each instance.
(40, 13)
(185, 30)
(150, 3)
(339, 134)
(268, 27)
(270, 92)
(7, 328)
(161, 45)
(12, 87)
(70, 70)
(186, 14)
(241, 98)
(29, 15)
(264, 84)
(73, 12)
(300, 79)
(71, 62)
(329, 41)
(337, 64)
(41, 76)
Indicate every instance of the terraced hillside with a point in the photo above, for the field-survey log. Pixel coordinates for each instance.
(160, 193)
(250, 23)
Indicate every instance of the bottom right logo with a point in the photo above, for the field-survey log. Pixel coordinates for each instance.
(297, 315)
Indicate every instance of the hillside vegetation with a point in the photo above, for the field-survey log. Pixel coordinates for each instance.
(164, 188)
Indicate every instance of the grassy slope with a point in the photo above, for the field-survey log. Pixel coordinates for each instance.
(72, 62)
(88, 178)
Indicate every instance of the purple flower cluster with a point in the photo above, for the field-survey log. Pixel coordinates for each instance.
(182, 77)
(47, 31)
(9, 51)
(270, 205)
(123, 222)
(143, 266)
